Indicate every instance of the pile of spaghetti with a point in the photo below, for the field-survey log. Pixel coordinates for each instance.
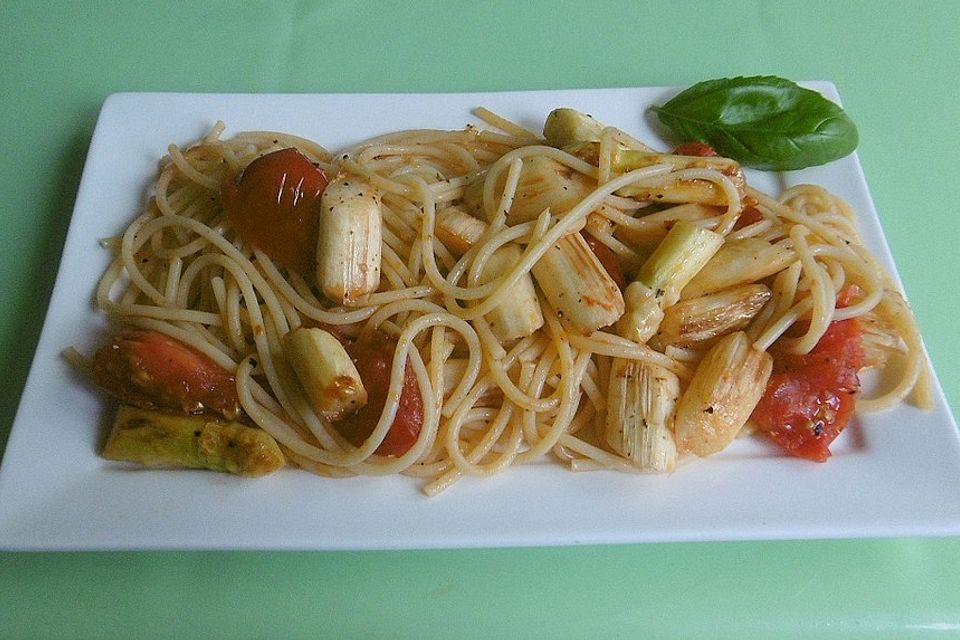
(448, 303)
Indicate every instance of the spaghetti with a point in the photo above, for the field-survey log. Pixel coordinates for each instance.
(488, 401)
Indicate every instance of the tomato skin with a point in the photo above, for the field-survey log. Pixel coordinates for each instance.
(609, 260)
(373, 354)
(748, 216)
(272, 205)
(151, 370)
(695, 149)
(810, 398)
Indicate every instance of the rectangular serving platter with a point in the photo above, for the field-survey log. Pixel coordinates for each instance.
(893, 473)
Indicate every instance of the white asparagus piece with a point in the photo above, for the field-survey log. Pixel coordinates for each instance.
(348, 245)
(726, 386)
(640, 401)
(326, 372)
(578, 288)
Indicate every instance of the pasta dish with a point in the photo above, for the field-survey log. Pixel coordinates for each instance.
(445, 304)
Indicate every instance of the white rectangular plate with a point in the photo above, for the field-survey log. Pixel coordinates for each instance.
(893, 473)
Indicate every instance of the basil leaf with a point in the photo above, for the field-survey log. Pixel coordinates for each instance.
(764, 122)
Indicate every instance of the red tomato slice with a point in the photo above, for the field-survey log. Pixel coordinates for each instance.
(272, 205)
(373, 356)
(151, 370)
(810, 398)
(748, 216)
(694, 149)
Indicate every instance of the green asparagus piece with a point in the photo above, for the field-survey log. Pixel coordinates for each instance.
(156, 439)
(677, 259)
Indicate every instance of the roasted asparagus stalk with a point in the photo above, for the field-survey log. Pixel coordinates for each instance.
(348, 244)
(577, 286)
(326, 372)
(158, 439)
(639, 418)
(723, 392)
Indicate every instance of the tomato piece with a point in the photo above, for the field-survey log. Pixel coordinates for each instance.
(151, 370)
(272, 205)
(694, 148)
(809, 398)
(748, 216)
(609, 260)
(373, 356)
(850, 293)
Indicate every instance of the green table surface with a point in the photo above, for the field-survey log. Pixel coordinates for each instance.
(895, 64)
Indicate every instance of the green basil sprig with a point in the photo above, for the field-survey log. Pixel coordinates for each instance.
(764, 122)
